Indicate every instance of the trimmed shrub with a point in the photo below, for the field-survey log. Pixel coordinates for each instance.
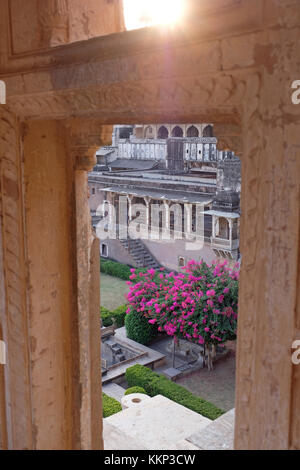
(118, 314)
(131, 390)
(156, 384)
(113, 268)
(110, 406)
(139, 329)
(122, 271)
(106, 316)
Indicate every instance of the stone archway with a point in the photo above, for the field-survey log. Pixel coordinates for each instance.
(208, 131)
(192, 131)
(162, 133)
(177, 131)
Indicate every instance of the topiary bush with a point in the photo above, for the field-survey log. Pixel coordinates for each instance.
(106, 316)
(139, 329)
(156, 384)
(118, 314)
(131, 390)
(110, 406)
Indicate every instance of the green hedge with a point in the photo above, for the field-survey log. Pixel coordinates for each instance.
(118, 314)
(156, 384)
(110, 406)
(139, 329)
(113, 268)
(131, 390)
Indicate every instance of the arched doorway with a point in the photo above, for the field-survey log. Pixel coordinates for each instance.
(192, 132)
(208, 131)
(177, 132)
(149, 132)
(163, 133)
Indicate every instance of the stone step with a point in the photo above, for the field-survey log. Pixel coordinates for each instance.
(140, 254)
(218, 435)
(113, 390)
(158, 423)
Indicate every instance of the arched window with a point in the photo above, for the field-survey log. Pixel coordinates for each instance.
(149, 132)
(208, 131)
(192, 132)
(177, 132)
(163, 133)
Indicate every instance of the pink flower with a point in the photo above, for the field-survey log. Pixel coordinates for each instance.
(210, 293)
(152, 321)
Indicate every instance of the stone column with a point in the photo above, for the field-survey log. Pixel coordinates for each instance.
(130, 198)
(50, 388)
(268, 383)
(166, 229)
(88, 302)
(230, 222)
(16, 428)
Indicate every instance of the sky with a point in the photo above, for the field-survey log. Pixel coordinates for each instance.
(142, 13)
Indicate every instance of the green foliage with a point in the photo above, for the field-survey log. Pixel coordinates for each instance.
(122, 271)
(118, 315)
(113, 268)
(110, 406)
(206, 295)
(131, 390)
(156, 384)
(139, 329)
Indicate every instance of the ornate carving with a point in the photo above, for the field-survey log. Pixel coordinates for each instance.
(54, 22)
(216, 98)
(14, 319)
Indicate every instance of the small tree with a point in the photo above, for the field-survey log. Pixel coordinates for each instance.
(199, 304)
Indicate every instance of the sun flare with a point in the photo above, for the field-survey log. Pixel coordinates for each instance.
(142, 13)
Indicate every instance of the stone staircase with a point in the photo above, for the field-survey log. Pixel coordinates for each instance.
(140, 254)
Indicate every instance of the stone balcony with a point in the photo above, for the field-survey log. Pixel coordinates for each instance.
(225, 244)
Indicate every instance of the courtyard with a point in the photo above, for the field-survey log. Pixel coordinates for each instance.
(113, 291)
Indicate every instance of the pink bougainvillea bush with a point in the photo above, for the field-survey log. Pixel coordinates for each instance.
(199, 304)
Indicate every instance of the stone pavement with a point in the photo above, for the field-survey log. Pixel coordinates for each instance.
(161, 424)
(113, 390)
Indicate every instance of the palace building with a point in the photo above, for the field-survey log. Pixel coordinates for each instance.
(180, 195)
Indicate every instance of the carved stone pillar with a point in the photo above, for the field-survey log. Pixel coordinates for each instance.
(50, 387)
(16, 428)
(88, 298)
(130, 199)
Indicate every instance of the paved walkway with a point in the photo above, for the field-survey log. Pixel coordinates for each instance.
(114, 391)
(217, 386)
